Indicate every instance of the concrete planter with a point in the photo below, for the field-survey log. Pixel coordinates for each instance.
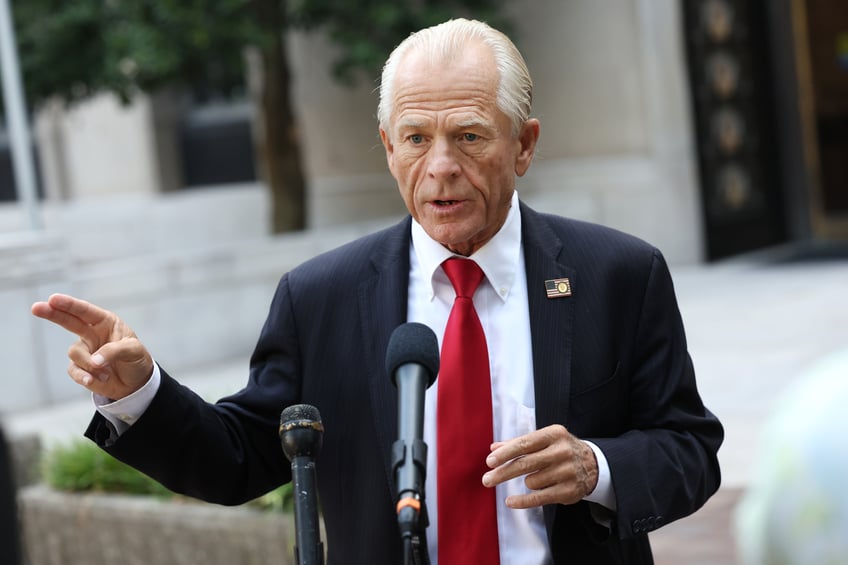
(102, 529)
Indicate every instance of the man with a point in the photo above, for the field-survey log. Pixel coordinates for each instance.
(581, 329)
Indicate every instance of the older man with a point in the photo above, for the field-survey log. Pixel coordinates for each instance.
(565, 423)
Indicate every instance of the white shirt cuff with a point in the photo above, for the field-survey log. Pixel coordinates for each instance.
(604, 494)
(125, 412)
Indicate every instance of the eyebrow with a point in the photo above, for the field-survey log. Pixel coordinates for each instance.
(473, 122)
(411, 123)
(489, 127)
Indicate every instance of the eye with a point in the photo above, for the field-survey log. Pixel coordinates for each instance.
(470, 137)
(416, 138)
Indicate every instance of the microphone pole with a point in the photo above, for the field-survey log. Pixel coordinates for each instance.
(301, 435)
(412, 361)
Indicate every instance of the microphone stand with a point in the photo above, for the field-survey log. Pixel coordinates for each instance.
(411, 506)
(301, 433)
(415, 550)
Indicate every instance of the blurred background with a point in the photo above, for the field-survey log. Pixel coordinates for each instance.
(185, 155)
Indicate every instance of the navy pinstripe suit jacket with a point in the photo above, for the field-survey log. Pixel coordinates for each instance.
(610, 363)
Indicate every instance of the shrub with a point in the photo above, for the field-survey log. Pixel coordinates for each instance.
(81, 466)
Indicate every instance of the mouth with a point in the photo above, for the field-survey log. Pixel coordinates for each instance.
(445, 202)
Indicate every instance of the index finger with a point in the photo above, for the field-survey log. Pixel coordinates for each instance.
(524, 445)
(75, 315)
(504, 451)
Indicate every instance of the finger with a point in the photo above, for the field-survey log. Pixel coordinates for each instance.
(548, 487)
(511, 469)
(523, 445)
(128, 358)
(530, 500)
(81, 376)
(546, 478)
(510, 450)
(80, 356)
(87, 312)
(61, 318)
(128, 350)
(109, 387)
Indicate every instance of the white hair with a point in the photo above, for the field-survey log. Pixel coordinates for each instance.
(449, 39)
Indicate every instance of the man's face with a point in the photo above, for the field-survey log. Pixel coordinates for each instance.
(451, 149)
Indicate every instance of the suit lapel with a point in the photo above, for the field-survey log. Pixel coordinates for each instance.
(551, 323)
(551, 319)
(383, 304)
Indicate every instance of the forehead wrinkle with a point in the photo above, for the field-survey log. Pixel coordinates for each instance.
(424, 93)
(415, 112)
(469, 96)
(470, 123)
(413, 94)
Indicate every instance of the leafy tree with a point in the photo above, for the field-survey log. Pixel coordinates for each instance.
(73, 50)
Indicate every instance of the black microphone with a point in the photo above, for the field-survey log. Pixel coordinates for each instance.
(301, 435)
(412, 361)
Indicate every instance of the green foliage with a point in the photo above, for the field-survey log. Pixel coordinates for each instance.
(78, 48)
(81, 466)
(281, 499)
(75, 49)
(368, 30)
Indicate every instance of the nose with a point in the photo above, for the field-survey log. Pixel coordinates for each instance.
(443, 162)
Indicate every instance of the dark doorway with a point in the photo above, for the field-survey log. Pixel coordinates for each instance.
(730, 70)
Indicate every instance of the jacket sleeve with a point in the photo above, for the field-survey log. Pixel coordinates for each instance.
(665, 465)
(227, 452)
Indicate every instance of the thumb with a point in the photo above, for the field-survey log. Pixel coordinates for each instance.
(126, 356)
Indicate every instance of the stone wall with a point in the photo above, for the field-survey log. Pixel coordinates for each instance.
(96, 529)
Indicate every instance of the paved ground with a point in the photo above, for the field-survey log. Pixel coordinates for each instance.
(705, 538)
(755, 327)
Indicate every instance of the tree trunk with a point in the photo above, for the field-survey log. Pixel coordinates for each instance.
(279, 140)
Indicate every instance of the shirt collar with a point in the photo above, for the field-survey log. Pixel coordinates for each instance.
(498, 257)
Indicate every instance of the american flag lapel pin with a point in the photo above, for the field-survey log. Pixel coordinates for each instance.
(558, 288)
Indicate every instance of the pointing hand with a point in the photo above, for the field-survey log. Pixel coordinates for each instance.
(108, 359)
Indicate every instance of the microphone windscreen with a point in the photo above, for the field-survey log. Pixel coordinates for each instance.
(299, 412)
(413, 343)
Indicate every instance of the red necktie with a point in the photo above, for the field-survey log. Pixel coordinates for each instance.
(468, 524)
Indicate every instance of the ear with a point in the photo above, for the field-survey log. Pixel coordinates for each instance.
(390, 150)
(527, 138)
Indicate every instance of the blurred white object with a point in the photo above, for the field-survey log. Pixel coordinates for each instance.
(796, 508)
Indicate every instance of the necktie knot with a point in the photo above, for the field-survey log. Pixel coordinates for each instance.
(464, 274)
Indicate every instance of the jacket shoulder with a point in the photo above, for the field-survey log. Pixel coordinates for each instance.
(356, 259)
(586, 241)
